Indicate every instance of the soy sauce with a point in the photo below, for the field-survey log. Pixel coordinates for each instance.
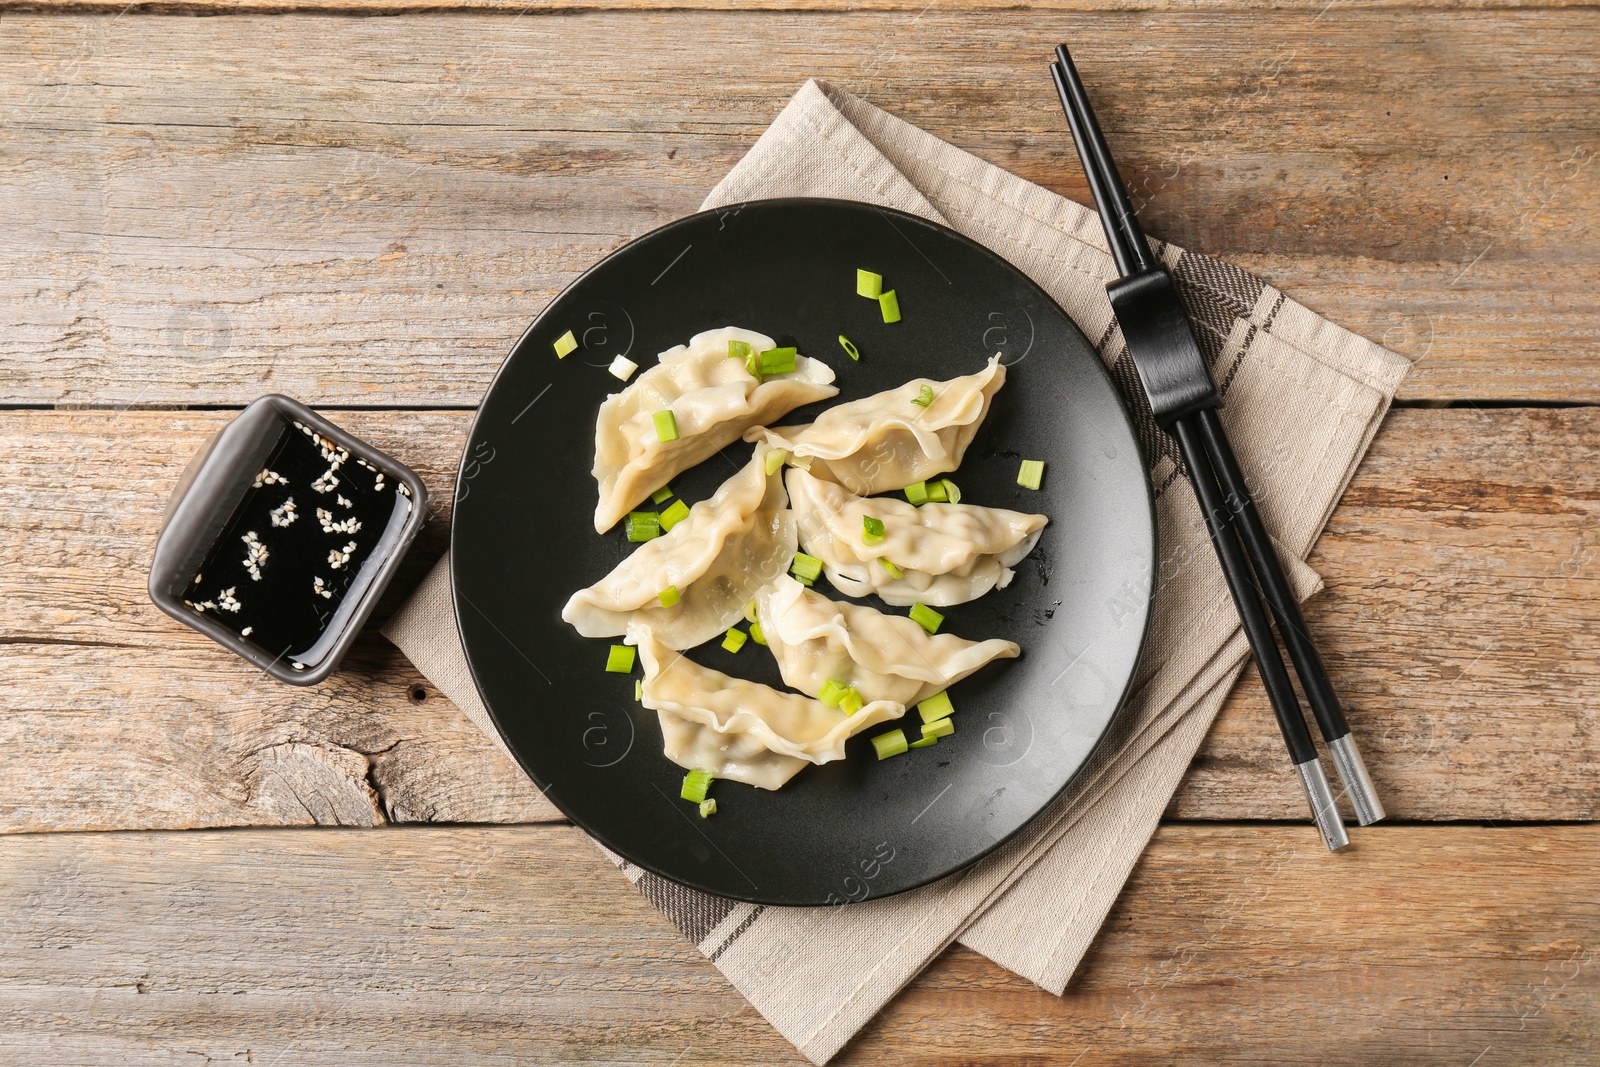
(302, 543)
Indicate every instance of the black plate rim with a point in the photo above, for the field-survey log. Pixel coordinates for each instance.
(1113, 721)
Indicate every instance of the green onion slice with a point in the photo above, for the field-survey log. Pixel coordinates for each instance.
(642, 525)
(868, 284)
(924, 742)
(889, 304)
(936, 707)
(926, 618)
(851, 701)
(937, 492)
(752, 364)
(938, 728)
(708, 808)
(662, 495)
(757, 635)
(951, 493)
(738, 349)
(750, 611)
(849, 349)
(620, 659)
(892, 743)
(894, 572)
(924, 396)
(638, 689)
(734, 640)
(778, 361)
(1031, 473)
(775, 459)
(806, 568)
(669, 596)
(695, 784)
(666, 425)
(565, 345)
(917, 493)
(674, 515)
(832, 692)
(871, 530)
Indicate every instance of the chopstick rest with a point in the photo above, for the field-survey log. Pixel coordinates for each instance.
(1184, 400)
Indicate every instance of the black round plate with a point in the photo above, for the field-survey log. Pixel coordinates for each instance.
(524, 540)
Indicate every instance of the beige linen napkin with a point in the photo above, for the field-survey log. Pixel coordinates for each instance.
(1302, 399)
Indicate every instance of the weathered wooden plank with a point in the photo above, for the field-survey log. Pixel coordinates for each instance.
(1459, 626)
(516, 8)
(1231, 945)
(368, 211)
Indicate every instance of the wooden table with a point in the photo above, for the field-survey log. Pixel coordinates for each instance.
(364, 212)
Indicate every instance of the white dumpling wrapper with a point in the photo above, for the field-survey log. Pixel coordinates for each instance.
(949, 553)
(885, 442)
(728, 548)
(733, 727)
(884, 657)
(714, 400)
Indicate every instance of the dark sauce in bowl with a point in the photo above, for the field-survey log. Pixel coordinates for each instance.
(306, 540)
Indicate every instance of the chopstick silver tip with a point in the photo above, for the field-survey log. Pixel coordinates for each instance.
(1324, 808)
(1357, 782)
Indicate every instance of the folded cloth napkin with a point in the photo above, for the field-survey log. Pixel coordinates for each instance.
(1301, 401)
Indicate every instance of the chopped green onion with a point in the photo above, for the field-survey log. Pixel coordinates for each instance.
(803, 580)
(917, 493)
(851, 701)
(750, 611)
(738, 349)
(871, 530)
(775, 459)
(642, 525)
(666, 425)
(622, 368)
(938, 728)
(924, 396)
(937, 492)
(894, 572)
(662, 495)
(951, 493)
(778, 361)
(620, 659)
(734, 640)
(638, 689)
(708, 808)
(889, 304)
(924, 742)
(926, 618)
(868, 284)
(936, 707)
(757, 635)
(1031, 474)
(849, 349)
(669, 596)
(892, 743)
(674, 515)
(695, 784)
(752, 365)
(565, 345)
(832, 692)
(806, 568)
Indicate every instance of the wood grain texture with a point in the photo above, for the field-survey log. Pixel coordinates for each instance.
(1459, 627)
(519, 8)
(369, 211)
(1230, 945)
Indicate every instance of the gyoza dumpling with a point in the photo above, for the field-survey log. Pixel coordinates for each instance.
(885, 442)
(729, 547)
(883, 657)
(713, 399)
(949, 553)
(740, 729)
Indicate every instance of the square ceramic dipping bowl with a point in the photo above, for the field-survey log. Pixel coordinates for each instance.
(281, 536)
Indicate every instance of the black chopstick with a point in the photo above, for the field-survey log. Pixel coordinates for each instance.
(1160, 338)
